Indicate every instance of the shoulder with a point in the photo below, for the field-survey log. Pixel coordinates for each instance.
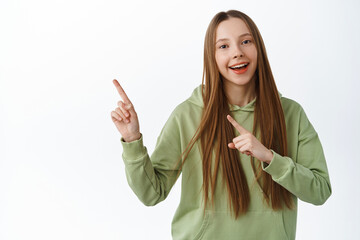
(192, 105)
(295, 114)
(291, 106)
(184, 119)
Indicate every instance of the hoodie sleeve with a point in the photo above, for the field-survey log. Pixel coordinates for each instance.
(151, 179)
(306, 176)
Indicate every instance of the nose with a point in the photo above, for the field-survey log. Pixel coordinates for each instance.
(237, 52)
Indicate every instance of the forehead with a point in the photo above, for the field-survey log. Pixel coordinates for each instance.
(232, 27)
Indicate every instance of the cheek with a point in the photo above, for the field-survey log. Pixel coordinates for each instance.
(254, 60)
(253, 54)
(220, 61)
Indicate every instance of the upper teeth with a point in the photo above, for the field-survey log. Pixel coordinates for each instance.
(239, 66)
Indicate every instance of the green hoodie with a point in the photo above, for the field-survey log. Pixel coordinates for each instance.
(303, 173)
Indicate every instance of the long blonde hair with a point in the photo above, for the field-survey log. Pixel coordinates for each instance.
(215, 132)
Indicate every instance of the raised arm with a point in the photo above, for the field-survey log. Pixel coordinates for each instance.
(150, 178)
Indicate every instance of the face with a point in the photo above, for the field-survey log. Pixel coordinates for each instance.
(235, 52)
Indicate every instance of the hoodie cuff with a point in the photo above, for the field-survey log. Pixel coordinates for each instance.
(278, 166)
(133, 150)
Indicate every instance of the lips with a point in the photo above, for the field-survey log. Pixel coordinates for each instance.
(239, 65)
(240, 68)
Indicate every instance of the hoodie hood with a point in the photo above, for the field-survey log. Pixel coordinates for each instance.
(196, 98)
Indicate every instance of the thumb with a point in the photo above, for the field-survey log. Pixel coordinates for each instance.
(231, 145)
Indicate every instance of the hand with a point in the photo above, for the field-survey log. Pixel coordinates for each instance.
(125, 117)
(248, 144)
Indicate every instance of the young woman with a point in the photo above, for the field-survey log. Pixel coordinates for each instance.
(246, 153)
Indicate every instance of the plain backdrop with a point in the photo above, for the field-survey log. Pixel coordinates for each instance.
(61, 171)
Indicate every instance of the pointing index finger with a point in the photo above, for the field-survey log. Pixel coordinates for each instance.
(236, 125)
(121, 91)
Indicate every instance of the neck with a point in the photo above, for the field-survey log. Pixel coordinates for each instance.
(240, 95)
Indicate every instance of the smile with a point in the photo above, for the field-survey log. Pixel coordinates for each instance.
(240, 68)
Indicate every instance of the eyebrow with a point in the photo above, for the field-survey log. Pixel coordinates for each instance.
(223, 39)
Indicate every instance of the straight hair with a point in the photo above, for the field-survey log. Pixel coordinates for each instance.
(215, 131)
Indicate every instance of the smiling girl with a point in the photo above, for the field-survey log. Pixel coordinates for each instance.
(246, 153)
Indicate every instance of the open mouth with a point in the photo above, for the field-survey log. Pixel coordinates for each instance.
(239, 68)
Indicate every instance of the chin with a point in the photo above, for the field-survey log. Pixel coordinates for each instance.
(237, 81)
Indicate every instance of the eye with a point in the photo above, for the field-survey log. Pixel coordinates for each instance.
(245, 42)
(223, 46)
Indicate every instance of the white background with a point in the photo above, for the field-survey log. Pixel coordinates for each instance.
(61, 172)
